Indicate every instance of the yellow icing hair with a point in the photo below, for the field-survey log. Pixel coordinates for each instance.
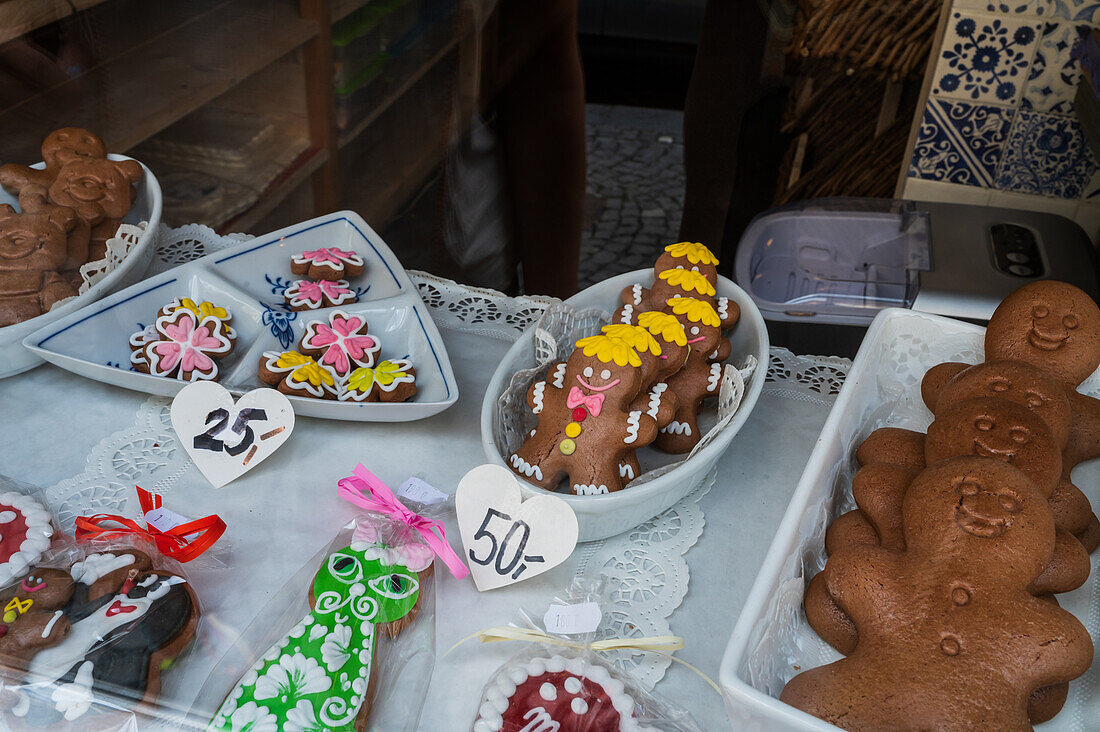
(664, 325)
(204, 308)
(634, 336)
(694, 251)
(688, 280)
(608, 349)
(697, 311)
(291, 359)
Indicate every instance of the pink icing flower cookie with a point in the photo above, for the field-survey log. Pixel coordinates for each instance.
(296, 374)
(389, 381)
(327, 263)
(341, 344)
(311, 295)
(185, 349)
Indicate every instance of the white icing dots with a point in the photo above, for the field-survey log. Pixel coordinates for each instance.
(548, 691)
(579, 706)
(7, 517)
(573, 685)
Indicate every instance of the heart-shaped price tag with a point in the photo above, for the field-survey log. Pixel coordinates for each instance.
(225, 439)
(507, 539)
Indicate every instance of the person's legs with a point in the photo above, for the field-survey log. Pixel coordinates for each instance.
(543, 114)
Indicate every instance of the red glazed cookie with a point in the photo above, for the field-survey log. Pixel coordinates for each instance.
(587, 422)
(555, 694)
(327, 263)
(951, 617)
(185, 348)
(311, 295)
(296, 374)
(25, 533)
(388, 381)
(341, 344)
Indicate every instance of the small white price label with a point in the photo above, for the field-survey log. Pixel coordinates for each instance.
(507, 539)
(584, 617)
(164, 519)
(420, 491)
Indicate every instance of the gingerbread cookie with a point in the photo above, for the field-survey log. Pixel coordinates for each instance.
(327, 263)
(296, 374)
(33, 249)
(100, 191)
(25, 533)
(389, 381)
(202, 310)
(311, 295)
(951, 617)
(186, 348)
(367, 589)
(556, 693)
(684, 269)
(701, 375)
(342, 344)
(586, 419)
(33, 617)
(59, 147)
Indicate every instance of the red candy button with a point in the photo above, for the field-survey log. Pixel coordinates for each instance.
(579, 414)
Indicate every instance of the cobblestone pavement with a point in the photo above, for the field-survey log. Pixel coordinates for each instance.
(635, 193)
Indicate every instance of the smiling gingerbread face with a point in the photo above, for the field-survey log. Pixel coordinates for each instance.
(34, 241)
(999, 429)
(701, 324)
(603, 369)
(69, 143)
(1051, 325)
(96, 182)
(988, 505)
(1017, 382)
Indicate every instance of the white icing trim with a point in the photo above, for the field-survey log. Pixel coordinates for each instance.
(589, 489)
(655, 395)
(625, 471)
(723, 307)
(292, 299)
(354, 260)
(633, 422)
(369, 354)
(715, 376)
(525, 468)
(213, 327)
(627, 314)
(36, 541)
(89, 571)
(559, 375)
(536, 396)
(637, 290)
(677, 428)
(49, 626)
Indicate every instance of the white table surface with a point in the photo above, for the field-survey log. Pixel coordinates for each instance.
(53, 419)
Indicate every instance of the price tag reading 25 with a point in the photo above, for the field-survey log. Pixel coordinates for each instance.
(506, 538)
(506, 555)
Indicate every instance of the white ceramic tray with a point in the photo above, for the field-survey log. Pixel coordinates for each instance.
(147, 206)
(602, 516)
(249, 280)
(772, 641)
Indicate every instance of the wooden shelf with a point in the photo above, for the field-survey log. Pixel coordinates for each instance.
(300, 171)
(134, 95)
(22, 16)
(343, 8)
(401, 75)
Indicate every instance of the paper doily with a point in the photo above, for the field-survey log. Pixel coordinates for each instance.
(645, 568)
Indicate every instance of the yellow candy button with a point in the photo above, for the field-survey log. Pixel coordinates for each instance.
(567, 447)
(572, 429)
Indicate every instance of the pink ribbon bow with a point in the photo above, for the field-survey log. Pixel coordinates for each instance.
(367, 491)
(593, 402)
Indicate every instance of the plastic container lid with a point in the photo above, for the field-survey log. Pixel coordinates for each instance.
(834, 260)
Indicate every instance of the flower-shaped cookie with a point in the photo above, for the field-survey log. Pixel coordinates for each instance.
(202, 310)
(185, 347)
(310, 295)
(296, 374)
(327, 263)
(341, 344)
(389, 381)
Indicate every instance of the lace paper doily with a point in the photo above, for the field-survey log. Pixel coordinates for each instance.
(645, 568)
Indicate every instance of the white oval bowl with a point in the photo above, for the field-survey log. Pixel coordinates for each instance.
(606, 515)
(14, 358)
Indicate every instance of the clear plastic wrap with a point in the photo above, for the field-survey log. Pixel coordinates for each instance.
(88, 633)
(563, 685)
(27, 529)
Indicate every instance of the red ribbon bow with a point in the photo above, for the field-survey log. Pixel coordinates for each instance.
(576, 397)
(183, 543)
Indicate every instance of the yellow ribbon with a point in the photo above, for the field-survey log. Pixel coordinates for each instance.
(651, 644)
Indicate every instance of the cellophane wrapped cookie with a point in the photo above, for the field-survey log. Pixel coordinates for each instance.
(349, 642)
(557, 688)
(90, 631)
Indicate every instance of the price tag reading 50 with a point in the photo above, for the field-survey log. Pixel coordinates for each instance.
(506, 538)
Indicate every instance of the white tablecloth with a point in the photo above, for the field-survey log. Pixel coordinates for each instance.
(282, 513)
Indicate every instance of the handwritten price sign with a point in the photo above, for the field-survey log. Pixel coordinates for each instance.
(225, 439)
(506, 538)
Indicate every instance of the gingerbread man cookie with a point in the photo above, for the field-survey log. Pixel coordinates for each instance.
(685, 268)
(59, 147)
(186, 347)
(327, 263)
(296, 374)
(314, 295)
(33, 617)
(701, 375)
(341, 344)
(388, 381)
(950, 617)
(587, 422)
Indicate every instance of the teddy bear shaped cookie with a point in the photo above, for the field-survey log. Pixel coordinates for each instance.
(949, 635)
(59, 147)
(587, 420)
(33, 248)
(701, 375)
